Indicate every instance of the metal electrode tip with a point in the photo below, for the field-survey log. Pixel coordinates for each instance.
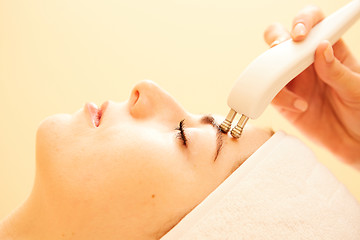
(226, 124)
(236, 131)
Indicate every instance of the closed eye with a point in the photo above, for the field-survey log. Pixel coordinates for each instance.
(181, 134)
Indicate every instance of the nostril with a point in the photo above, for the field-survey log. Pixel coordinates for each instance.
(136, 105)
(137, 94)
(134, 97)
(144, 99)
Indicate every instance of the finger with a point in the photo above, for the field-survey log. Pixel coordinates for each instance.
(343, 53)
(288, 100)
(275, 34)
(338, 76)
(304, 21)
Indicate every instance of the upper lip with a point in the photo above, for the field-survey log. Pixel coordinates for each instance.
(102, 110)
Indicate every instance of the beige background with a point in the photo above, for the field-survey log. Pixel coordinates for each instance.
(55, 55)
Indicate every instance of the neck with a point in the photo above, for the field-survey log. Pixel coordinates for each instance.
(37, 220)
(14, 227)
(29, 221)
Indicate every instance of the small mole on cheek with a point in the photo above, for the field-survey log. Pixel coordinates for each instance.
(153, 196)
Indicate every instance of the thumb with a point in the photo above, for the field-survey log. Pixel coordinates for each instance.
(334, 73)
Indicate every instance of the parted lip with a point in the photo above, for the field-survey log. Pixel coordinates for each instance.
(95, 113)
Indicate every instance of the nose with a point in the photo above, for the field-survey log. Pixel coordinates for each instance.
(148, 100)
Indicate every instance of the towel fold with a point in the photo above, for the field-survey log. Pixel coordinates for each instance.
(280, 192)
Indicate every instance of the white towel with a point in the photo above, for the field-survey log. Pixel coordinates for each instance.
(280, 192)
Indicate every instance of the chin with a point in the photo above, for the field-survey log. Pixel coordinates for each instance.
(51, 130)
(52, 123)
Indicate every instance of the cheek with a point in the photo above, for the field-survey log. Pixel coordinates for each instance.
(126, 166)
(139, 160)
(148, 166)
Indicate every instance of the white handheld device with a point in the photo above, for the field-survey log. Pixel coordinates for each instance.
(270, 72)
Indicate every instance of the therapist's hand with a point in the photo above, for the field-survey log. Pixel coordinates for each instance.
(324, 100)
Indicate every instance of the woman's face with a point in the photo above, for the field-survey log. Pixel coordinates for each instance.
(148, 161)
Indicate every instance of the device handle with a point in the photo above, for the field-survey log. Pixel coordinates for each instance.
(270, 72)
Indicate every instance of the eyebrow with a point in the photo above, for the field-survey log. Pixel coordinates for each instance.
(208, 119)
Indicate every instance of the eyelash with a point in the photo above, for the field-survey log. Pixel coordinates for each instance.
(181, 134)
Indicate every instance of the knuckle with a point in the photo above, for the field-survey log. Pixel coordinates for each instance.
(273, 31)
(271, 28)
(316, 12)
(311, 13)
(339, 73)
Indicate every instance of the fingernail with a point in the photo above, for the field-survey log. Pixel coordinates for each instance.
(329, 54)
(299, 30)
(276, 42)
(301, 105)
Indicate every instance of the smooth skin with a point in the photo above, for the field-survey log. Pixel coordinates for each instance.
(132, 177)
(324, 100)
